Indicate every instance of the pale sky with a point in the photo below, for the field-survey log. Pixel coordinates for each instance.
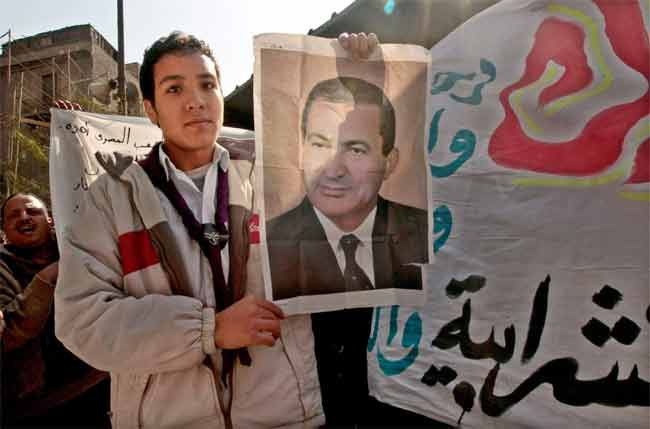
(227, 25)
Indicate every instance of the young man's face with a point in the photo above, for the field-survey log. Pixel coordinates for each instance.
(26, 222)
(343, 162)
(188, 107)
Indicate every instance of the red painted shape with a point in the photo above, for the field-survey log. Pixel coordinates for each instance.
(570, 53)
(254, 229)
(641, 170)
(600, 143)
(625, 29)
(137, 251)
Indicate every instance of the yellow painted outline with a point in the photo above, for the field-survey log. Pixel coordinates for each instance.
(547, 77)
(635, 196)
(639, 136)
(594, 46)
(644, 130)
(557, 182)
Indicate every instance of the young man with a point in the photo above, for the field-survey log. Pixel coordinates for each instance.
(44, 383)
(159, 283)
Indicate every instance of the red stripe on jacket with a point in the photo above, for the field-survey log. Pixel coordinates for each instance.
(254, 229)
(137, 251)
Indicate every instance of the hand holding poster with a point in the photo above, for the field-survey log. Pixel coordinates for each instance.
(341, 159)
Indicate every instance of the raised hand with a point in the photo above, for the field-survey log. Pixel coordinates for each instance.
(359, 45)
(67, 105)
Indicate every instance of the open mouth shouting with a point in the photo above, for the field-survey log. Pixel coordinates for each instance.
(27, 228)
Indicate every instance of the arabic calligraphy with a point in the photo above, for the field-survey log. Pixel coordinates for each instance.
(445, 81)
(560, 373)
(442, 225)
(105, 138)
(456, 333)
(89, 166)
(567, 389)
(463, 143)
(411, 338)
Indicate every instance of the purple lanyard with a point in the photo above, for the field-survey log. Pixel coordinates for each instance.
(211, 237)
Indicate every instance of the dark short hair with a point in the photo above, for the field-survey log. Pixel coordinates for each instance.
(9, 198)
(176, 42)
(357, 91)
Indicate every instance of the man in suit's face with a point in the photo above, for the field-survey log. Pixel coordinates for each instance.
(343, 162)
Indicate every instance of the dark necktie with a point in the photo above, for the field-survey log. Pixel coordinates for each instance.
(355, 277)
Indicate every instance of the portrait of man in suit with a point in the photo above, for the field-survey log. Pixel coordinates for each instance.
(343, 236)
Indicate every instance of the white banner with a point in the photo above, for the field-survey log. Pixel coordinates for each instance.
(75, 138)
(538, 306)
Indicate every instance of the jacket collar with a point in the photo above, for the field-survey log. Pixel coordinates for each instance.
(219, 156)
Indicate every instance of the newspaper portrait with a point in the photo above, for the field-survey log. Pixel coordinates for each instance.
(341, 167)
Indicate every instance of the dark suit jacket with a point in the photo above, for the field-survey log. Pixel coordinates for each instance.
(303, 263)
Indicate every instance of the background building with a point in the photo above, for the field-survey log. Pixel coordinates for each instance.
(75, 63)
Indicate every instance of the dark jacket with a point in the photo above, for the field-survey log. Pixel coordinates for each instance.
(302, 261)
(39, 374)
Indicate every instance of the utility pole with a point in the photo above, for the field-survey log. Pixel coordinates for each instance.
(9, 60)
(68, 71)
(5, 129)
(121, 70)
(53, 79)
(17, 130)
(11, 140)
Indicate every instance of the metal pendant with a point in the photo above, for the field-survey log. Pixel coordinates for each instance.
(214, 235)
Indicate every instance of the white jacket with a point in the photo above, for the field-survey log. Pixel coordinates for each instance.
(114, 308)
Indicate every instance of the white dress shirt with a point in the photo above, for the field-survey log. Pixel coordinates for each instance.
(363, 232)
